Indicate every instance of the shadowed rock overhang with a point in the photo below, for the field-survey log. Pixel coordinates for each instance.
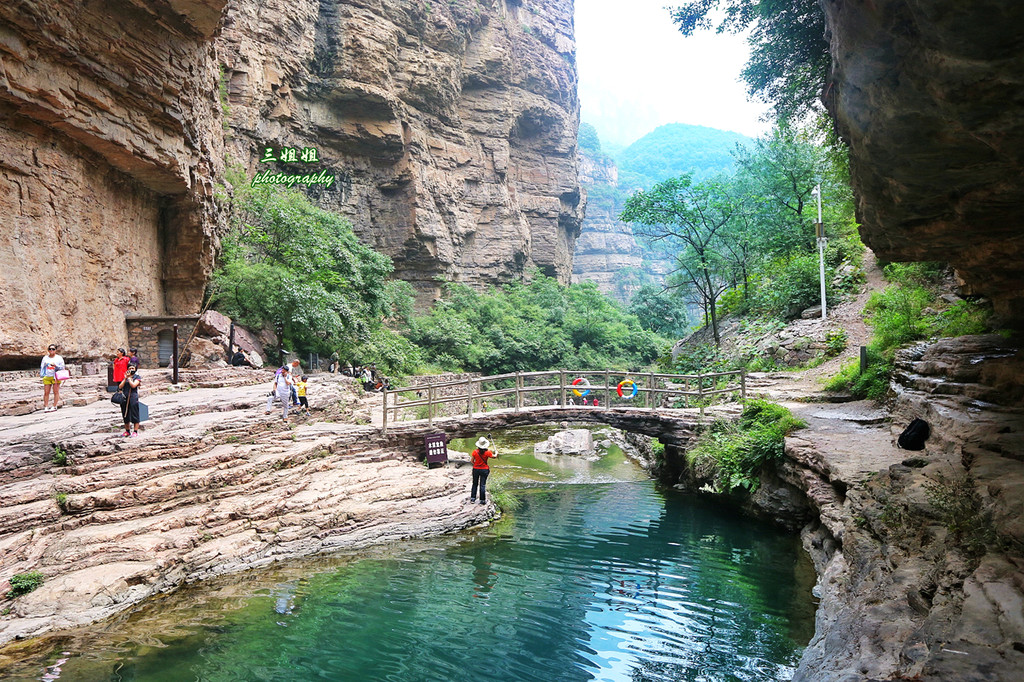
(928, 94)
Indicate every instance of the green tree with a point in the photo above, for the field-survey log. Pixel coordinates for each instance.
(777, 175)
(286, 261)
(696, 219)
(663, 311)
(789, 55)
(532, 326)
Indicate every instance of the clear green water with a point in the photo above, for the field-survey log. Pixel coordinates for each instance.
(600, 575)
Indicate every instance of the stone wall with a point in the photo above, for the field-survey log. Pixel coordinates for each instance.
(607, 252)
(144, 334)
(928, 94)
(450, 126)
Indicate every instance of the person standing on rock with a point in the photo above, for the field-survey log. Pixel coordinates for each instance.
(129, 385)
(283, 388)
(134, 358)
(120, 366)
(48, 368)
(480, 469)
(295, 370)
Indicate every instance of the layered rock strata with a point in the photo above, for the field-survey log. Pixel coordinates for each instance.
(607, 252)
(918, 554)
(216, 488)
(110, 143)
(451, 126)
(928, 94)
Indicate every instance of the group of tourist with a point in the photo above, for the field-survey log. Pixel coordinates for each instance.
(53, 371)
(290, 388)
(126, 377)
(583, 401)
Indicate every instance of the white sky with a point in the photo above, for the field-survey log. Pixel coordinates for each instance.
(638, 72)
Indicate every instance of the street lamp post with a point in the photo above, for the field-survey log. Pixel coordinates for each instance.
(819, 229)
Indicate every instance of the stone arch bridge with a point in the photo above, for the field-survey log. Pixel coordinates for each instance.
(644, 403)
(675, 428)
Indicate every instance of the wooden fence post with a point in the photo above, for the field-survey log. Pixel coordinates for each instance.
(519, 388)
(651, 397)
(430, 404)
(743, 384)
(700, 393)
(469, 397)
(384, 424)
(607, 390)
(561, 384)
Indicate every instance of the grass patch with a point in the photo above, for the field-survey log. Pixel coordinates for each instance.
(23, 583)
(873, 384)
(62, 502)
(738, 450)
(963, 318)
(500, 489)
(60, 456)
(897, 316)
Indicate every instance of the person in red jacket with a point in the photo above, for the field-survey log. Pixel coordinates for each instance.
(120, 366)
(480, 469)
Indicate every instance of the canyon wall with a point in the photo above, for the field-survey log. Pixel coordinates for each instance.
(450, 128)
(928, 94)
(607, 253)
(110, 143)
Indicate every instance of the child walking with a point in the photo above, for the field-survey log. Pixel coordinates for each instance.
(300, 386)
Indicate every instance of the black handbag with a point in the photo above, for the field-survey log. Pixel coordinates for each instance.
(118, 398)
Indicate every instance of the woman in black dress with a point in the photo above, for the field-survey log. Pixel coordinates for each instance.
(130, 407)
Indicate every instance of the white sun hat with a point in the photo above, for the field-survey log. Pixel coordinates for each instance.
(482, 442)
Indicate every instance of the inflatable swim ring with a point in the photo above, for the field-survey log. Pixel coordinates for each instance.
(627, 384)
(582, 382)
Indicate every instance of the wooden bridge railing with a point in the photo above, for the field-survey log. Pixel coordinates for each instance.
(518, 389)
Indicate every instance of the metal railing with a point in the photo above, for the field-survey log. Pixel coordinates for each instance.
(517, 390)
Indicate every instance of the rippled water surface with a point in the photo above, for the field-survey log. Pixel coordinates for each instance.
(599, 576)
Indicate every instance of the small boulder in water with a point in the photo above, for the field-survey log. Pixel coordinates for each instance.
(570, 442)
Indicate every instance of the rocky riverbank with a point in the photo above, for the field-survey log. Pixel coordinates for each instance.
(214, 485)
(919, 554)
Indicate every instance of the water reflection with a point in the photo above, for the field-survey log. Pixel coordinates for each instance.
(613, 581)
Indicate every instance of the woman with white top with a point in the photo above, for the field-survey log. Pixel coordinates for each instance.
(48, 368)
(282, 387)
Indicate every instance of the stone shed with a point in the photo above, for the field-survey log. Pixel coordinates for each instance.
(154, 336)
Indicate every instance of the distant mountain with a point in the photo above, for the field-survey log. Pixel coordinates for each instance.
(677, 148)
(607, 253)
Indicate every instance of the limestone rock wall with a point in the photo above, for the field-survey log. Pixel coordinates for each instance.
(607, 253)
(109, 143)
(451, 126)
(928, 94)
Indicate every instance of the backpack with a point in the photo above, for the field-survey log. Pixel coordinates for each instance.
(914, 436)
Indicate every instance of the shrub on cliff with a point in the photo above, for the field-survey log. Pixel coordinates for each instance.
(737, 451)
(287, 261)
(23, 583)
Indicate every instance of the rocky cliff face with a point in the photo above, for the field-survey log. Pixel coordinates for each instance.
(451, 128)
(928, 95)
(607, 253)
(110, 142)
(450, 125)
